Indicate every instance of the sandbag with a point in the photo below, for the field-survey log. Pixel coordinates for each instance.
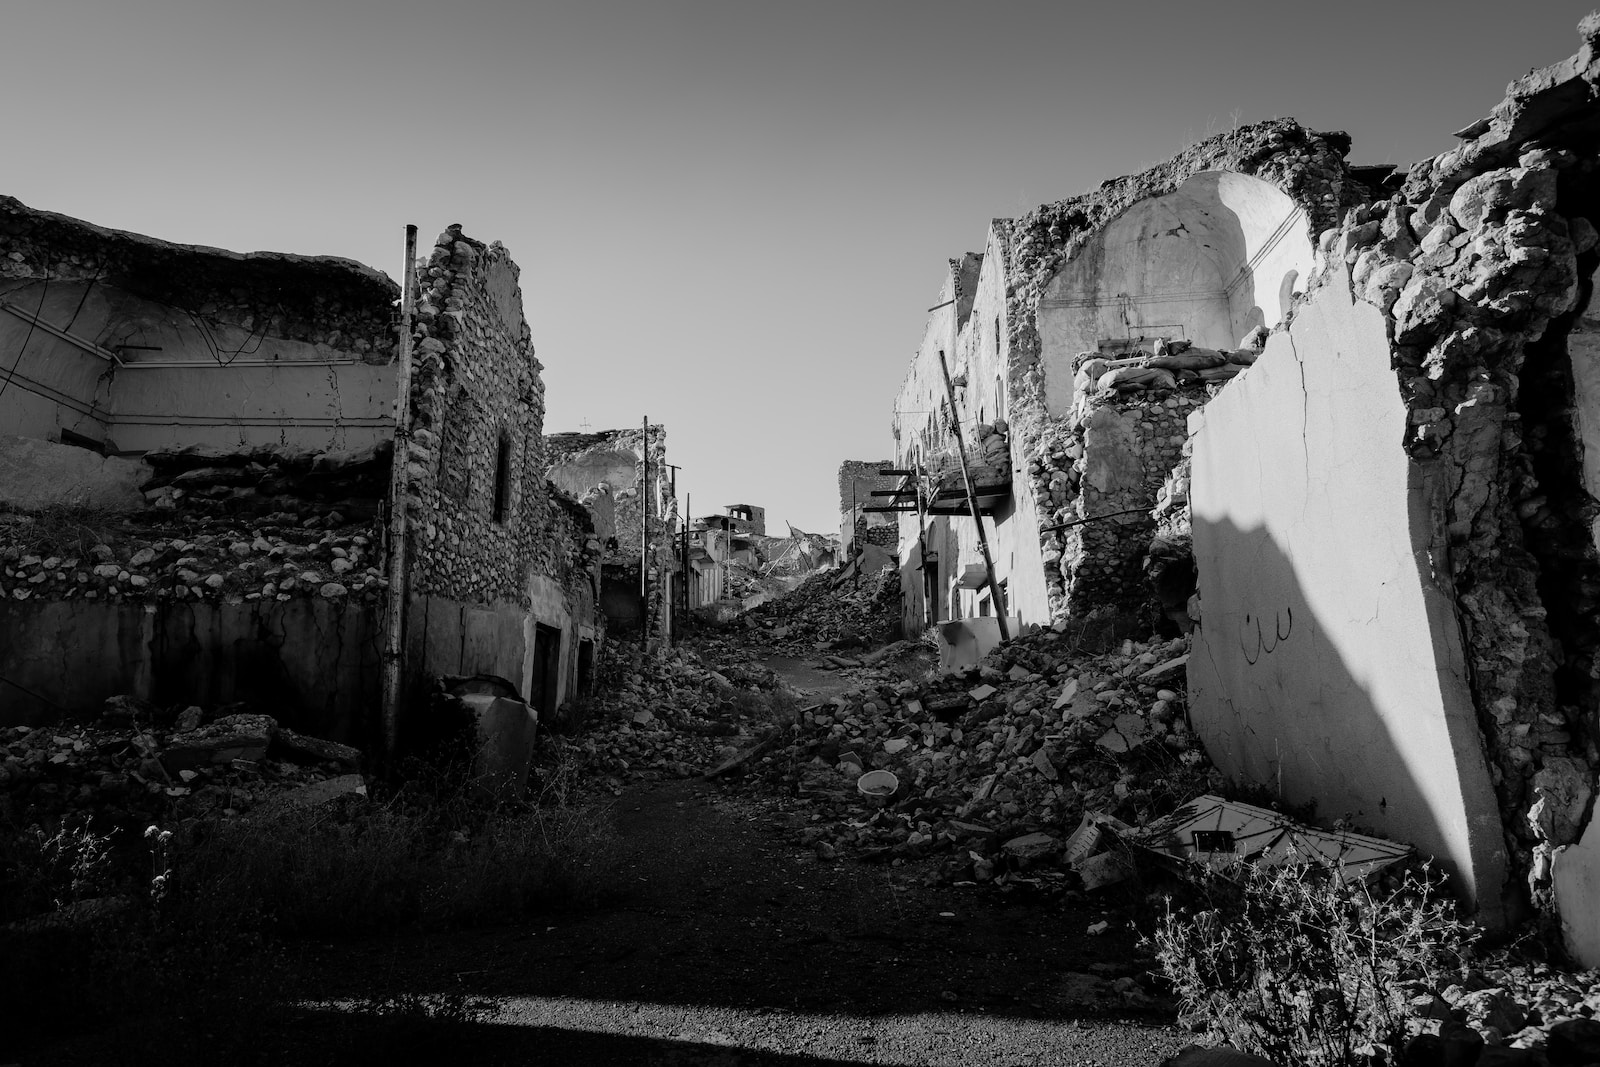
(1192, 359)
(1138, 378)
(1220, 374)
(1244, 357)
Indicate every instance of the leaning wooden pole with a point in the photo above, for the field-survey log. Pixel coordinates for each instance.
(394, 621)
(972, 502)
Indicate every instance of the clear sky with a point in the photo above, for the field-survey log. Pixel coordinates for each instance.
(730, 216)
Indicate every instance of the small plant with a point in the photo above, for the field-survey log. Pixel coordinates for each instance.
(1297, 965)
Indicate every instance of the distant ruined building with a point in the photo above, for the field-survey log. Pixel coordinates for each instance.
(1343, 423)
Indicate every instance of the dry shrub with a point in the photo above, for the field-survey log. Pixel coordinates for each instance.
(1293, 964)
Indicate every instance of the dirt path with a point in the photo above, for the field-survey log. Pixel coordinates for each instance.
(734, 948)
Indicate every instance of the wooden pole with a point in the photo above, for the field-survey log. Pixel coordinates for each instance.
(394, 622)
(972, 501)
(644, 537)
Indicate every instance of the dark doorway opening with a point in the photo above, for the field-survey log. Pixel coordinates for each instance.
(546, 670)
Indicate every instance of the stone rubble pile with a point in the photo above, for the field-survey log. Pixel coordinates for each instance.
(137, 765)
(277, 556)
(666, 715)
(997, 765)
(1529, 1013)
(818, 615)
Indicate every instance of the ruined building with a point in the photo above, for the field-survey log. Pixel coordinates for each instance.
(195, 482)
(862, 520)
(622, 480)
(1366, 398)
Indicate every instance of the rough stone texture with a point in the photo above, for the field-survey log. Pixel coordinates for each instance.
(1479, 267)
(988, 323)
(487, 536)
(318, 299)
(858, 479)
(36, 474)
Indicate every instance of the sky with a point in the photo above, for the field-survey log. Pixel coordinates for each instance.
(731, 217)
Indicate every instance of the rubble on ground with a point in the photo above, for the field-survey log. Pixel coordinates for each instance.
(136, 765)
(999, 762)
(822, 613)
(1531, 1013)
(665, 715)
(276, 556)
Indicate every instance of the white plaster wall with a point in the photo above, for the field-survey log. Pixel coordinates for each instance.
(1328, 665)
(272, 390)
(1206, 262)
(1583, 346)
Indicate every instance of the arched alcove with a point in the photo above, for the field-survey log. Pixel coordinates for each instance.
(1220, 254)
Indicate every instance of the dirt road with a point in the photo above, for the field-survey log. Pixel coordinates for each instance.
(732, 948)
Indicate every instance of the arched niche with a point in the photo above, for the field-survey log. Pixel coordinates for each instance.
(1220, 254)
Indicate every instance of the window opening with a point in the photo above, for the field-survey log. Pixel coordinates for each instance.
(502, 477)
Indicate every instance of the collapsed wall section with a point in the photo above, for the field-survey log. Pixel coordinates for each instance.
(1201, 249)
(619, 478)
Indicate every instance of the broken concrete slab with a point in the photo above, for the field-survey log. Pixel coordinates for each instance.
(1029, 846)
(1218, 833)
(231, 737)
(302, 747)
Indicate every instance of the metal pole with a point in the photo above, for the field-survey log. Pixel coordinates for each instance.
(930, 594)
(972, 501)
(394, 622)
(644, 537)
(685, 552)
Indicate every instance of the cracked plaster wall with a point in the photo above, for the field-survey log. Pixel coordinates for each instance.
(307, 341)
(1328, 664)
(1479, 274)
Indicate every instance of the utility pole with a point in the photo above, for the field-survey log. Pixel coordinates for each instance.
(686, 584)
(394, 622)
(644, 536)
(972, 501)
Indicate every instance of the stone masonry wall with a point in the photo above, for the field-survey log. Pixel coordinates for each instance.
(321, 300)
(1308, 167)
(1476, 266)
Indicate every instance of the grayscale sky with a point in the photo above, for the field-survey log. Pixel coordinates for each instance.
(730, 216)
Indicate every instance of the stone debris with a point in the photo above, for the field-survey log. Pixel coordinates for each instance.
(667, 715)
(1511, 1014)
(133, 767)
(146, 558)
(818, 616)
(995, 774)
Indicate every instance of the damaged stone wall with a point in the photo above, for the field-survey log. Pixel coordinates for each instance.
(1039, 248)
(1013, 320)
(605, 472)
(132, 343)
(858, 478)
(1477, 273)
(240, 576)
(492, 553)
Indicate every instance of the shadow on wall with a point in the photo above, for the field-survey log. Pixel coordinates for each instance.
(1284, 698)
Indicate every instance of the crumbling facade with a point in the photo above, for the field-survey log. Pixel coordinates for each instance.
(1067, 441)
(621, 478)
(859, 481)
(197, 508)
(1366, 397)
(1439, 677)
